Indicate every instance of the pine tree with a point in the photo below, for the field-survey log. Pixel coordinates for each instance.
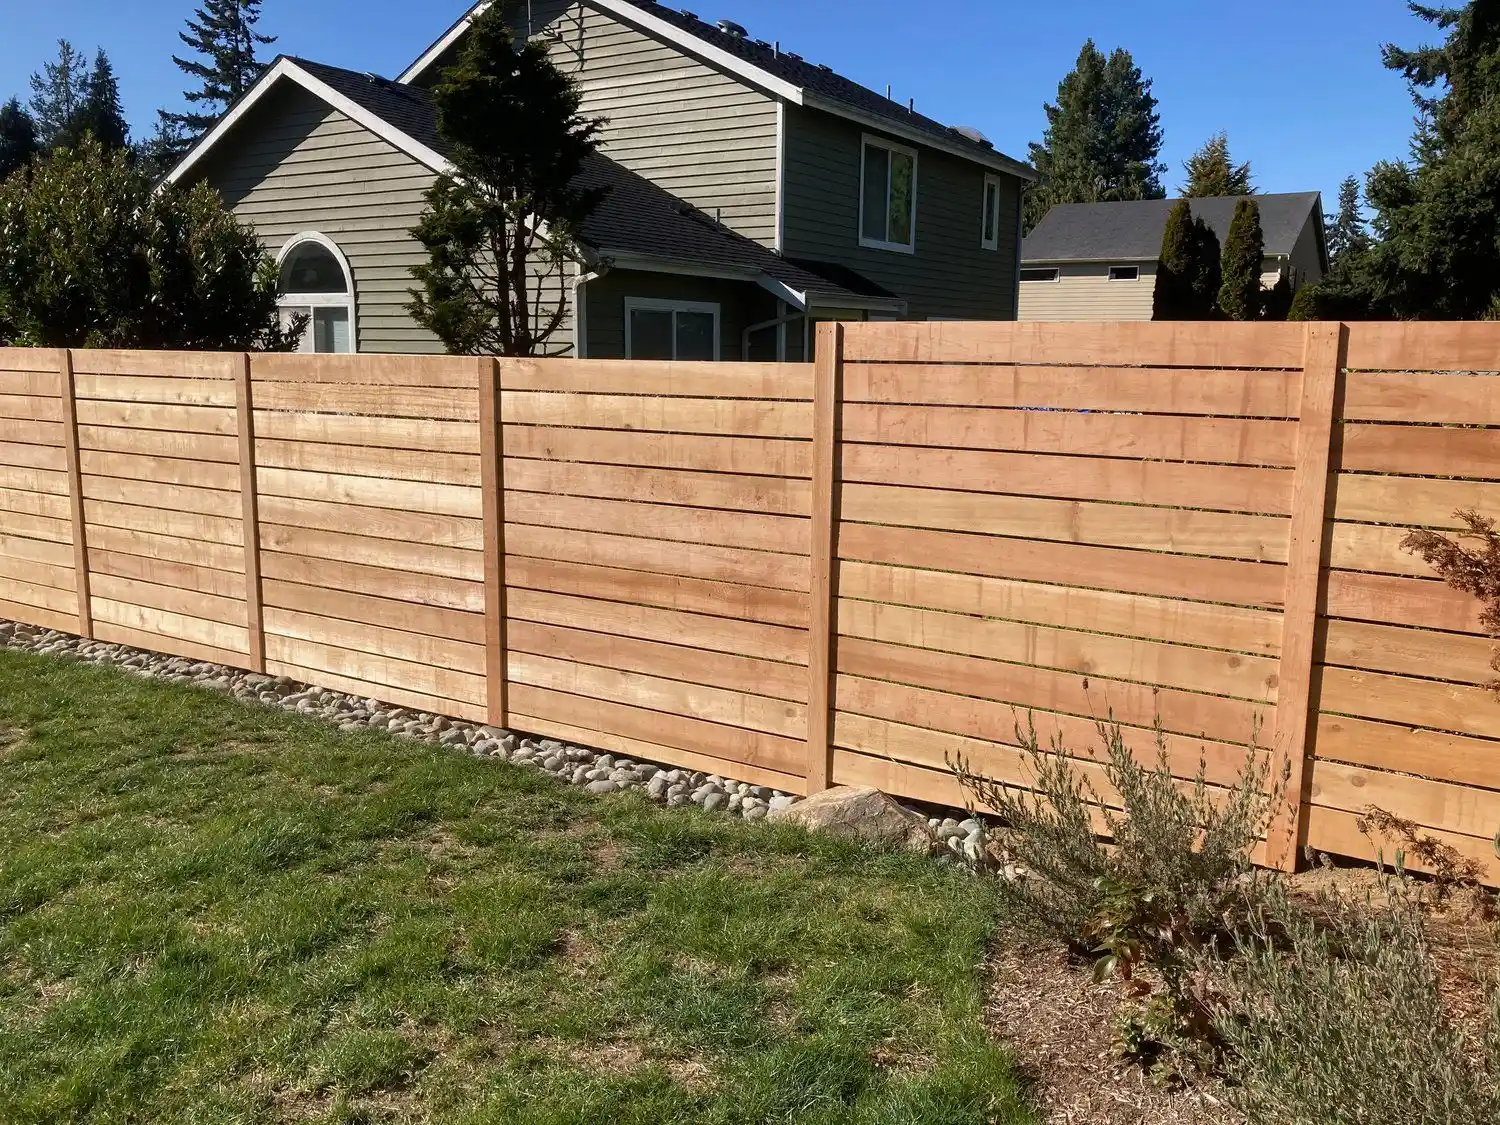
(1244, 253)
(58, 91)
(1210, 172)
(18, 143)
(100, 115)
(223, 34)
(1187, 273)
(1347, 236)
(1103, 137)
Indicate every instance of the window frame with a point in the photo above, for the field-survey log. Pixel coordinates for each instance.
(990, 181)
(313, 301)
(1055, 271)
(1110, 276)
(866, 141)
(671, 305)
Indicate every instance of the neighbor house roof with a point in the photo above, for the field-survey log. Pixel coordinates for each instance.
(637, 225)
(1132, 230)
(781, 73)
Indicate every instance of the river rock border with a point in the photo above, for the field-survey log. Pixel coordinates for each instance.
(594, 770)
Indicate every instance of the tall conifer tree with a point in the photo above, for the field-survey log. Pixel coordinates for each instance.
(222, 34)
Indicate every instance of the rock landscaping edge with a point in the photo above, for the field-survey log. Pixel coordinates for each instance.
(959, 838)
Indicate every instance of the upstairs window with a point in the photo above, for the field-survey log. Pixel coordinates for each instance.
(888, 197)
(1124, 273)
(1040, 273)
(990, 238)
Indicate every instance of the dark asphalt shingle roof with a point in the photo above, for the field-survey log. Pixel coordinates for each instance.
(1129, 231)
(636, 216)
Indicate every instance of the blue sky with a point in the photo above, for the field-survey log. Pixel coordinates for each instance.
(1298, 85)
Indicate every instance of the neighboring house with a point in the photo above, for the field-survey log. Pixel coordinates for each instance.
(1097, 261)
(751, 193)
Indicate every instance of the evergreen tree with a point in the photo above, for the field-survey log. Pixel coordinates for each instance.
(158, 153)
(1437, 218)
(18, 143)
(100, 115)
(500, 229)
(1210, 172)
(1276, 302)
(1244, 253)
(223, 34)
(58, 92)
(1103, 137)
(1187, 273)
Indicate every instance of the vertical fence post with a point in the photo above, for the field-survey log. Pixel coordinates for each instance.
(1297, 706)
(492, 479)
(828, 394)
(75, 492)
(244, 403)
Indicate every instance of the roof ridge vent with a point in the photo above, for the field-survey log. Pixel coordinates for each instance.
(729, 27)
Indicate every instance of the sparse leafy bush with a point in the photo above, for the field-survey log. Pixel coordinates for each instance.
(1336, 1017)
(1451, 870)
(1473, 570)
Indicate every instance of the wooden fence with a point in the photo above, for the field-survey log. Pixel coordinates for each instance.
(803, 576)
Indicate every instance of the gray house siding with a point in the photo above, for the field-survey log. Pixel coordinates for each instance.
(702, 135)
(951, 274)
(741, 304)
(295, 165)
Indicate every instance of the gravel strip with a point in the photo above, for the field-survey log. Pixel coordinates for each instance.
(594, 770)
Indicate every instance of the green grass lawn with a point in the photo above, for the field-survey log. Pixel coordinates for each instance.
(219, 913)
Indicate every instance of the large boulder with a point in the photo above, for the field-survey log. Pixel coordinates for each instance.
(861, 813)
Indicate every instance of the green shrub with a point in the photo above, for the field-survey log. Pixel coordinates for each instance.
(1336, 1017)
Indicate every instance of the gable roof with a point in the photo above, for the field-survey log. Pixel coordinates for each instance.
(637, 224)
(779, 73)
(1132, 230)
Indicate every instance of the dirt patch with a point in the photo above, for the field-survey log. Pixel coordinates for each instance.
(1059, 1025)
(10, 739)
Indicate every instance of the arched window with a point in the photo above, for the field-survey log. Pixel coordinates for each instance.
(315, 280)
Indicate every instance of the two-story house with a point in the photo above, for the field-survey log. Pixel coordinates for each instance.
(751, 192)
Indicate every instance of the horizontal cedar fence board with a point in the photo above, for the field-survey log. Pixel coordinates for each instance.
(377, 581)
(174, 644)
(1336, 832)
(1397, 600)
(1417, 346)
(1374, 647)
(778, 457)
(718, 634)
(746, 530)
(710, 563)
(172, 599)
(39, 527)
(1177, 530)
(47, 504)
(377, 671)
(1372, 547)
(365, 689)
(1097, 611)
(165, 623)
(731, 744)
(168, 497)
(379, 523)
(183, 576)
(767, 494)
(695, 595)
(743, 417)
(30, 573)
(28, 479)
(1444, 451)
(457, 625)
(1247, 394)
(1220, 487)
(31, 408)
(1169, 345)
(142, 388)
(367, 550)
(38, 595)
(394, 464)
(370, 370)
(152, 416)
(713, 669)
(1159, 437)
(185, 525)
(157, 365)
(195, 447)
(1409, 500)
(382, 433)
(392, 643)
(1433, 704)
(1024, 686)
(153, 548)
(415, 403)
(161, 469)
(671, 380)
(378, 492)
(1412, 750)
(25, 431)
(674, 696)
(1132, 572)
(1439, 805)
(29, 382)
(1117, 658)
(27, 359)
(655, 752)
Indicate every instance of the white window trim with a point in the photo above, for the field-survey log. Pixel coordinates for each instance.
(657, 304)
(1053, 280)
(345, 301)
(1110, 273)
(984, 212)
(866, 141)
